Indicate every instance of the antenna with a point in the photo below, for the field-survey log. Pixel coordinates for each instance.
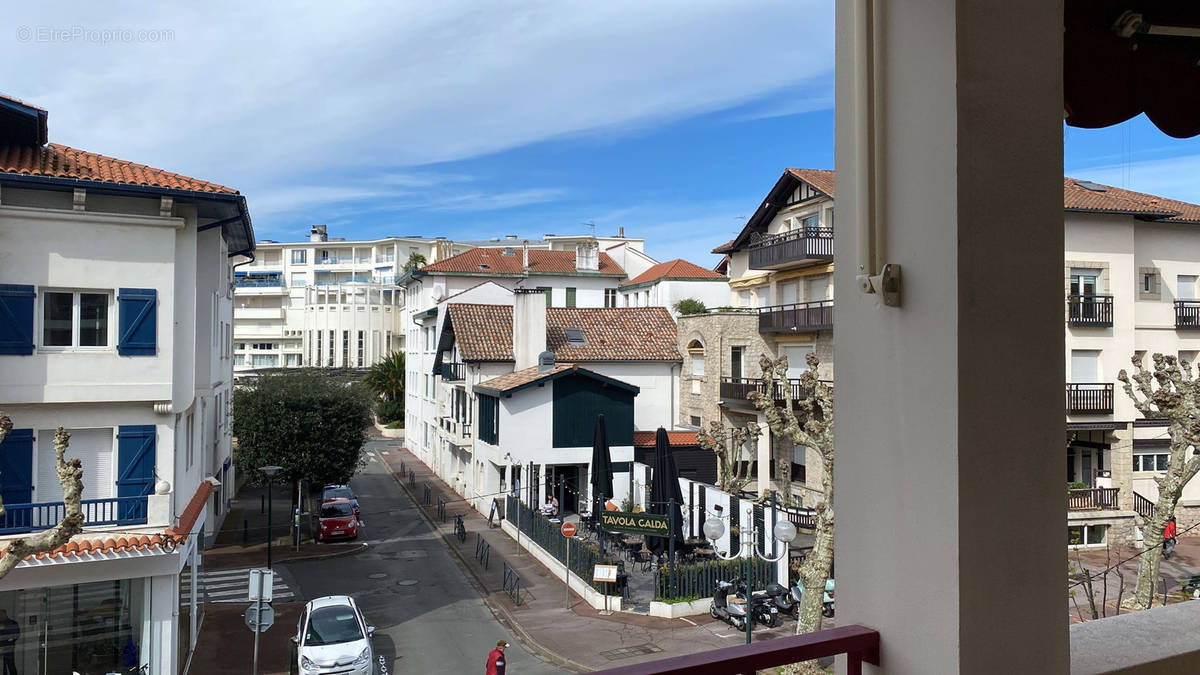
(591, 226)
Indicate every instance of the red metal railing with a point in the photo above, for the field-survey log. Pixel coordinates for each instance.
(859, 643)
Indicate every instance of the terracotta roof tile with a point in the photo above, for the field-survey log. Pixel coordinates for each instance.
(673, 269)
(822, 179)
(525, 376)
(645, 439)
(484, 333)
(18, 101)
(60, 161)
(492, 261)
(1117, 200)
(726, 247)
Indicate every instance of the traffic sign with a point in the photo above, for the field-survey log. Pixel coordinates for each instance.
(568, 529)
(260, 617)
(262, 580)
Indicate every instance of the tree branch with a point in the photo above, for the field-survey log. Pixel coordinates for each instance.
(70, 476)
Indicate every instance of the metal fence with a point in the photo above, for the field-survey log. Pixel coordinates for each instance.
(512, 584)
(584, 556)
(483, 550)
(700, 580)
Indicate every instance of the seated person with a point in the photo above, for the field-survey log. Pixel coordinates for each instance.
(548, 508)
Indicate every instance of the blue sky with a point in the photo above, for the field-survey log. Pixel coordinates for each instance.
(467, 120)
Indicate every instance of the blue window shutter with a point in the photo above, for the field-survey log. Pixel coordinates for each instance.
(16, 481)
(16, 319)
(138, 321)
(136, 448)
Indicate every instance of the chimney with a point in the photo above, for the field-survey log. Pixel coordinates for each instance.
(318, 233)
(621, 231)
(587, 256)
(525, 257)
(529, 326)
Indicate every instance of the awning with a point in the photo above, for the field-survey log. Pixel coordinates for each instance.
(1095, 426)
(1125, 57)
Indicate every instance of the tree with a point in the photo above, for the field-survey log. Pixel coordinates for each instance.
(1176, 398)
(415, 261)
(732, 470)
(807, 422)
(689, 306)
(70, 477)
(386, 378)
(310, 425)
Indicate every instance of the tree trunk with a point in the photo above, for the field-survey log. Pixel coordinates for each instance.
(1148, 562)
(815, 569)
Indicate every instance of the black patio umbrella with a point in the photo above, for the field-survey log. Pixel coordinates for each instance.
(602, 469)
(664, 486)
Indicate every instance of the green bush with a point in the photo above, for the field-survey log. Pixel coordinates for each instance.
(398, 424)
(1075, 485)
(389, 411)
(689, 306)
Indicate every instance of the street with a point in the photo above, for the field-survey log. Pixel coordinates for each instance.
(428, 616)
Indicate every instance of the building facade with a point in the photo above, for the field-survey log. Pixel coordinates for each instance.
(116, 312)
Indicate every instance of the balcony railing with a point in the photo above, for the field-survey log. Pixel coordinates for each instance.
(19, 518)
(859, 643)
(453, 372)
(1092, 499)
(740, 388)
(781, 249)
(1187, 314)
(1090, 310)
(1094, 398)
(805, 316)
(247, 282)
(385, 258)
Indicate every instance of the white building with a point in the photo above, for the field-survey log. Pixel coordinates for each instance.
(116, 312)
(324, 302)
(665, 284)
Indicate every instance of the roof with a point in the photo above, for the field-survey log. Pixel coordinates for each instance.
(1109, 199)
(527, 377)
(22, 122)
(87, 547)
(674, 269)
(821, 179)
(493, 262)
(645, 439)
(484, 333)
(60, 161)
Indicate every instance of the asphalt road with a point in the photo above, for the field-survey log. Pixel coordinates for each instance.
(428, 616)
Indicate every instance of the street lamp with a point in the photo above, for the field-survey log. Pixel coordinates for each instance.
(784, 531)
(269, 471)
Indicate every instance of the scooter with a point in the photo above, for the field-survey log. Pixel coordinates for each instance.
(789, 602)
(762, 607)
(735, 614)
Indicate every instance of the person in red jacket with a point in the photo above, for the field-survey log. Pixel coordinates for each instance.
(1169, 538)
(495, 662)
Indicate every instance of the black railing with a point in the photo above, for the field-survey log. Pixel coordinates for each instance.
(512, 584)
(803, 519)
(483, 550)
(584, 556)
(1143, 506)
(1089, 398)
(1187, 314)
(453, 372)
(693, 582)
(814, 243)
(797, 317)
(1092, 499)
(1090, 310)
(740, 388)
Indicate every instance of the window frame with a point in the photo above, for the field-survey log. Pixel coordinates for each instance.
(303, 257)
(76, 293)
(610, 297)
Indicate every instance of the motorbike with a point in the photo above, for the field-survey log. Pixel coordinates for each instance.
(788, 601)
(762, 607)
(732, 614)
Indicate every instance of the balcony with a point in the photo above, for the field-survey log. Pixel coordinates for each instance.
(1093, 499)
(781, 250)
(252, 282)
(805, 316)
(1089, 398)
(458, 432)
(453, 372)
(1094, 311)
(740, 388)
(258, 312)
(1187, 314)
(22, 518)
(385, 258)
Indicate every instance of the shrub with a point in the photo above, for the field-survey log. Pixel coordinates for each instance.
(689, 306)
(389, 411)
(398, 424)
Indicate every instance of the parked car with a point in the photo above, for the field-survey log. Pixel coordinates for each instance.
(340, 492)
(337, 520)
(333, 637)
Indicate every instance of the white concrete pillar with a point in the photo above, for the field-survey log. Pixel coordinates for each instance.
(951, 538)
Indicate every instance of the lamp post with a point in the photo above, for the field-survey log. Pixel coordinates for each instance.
(784, 531)
(269, 471)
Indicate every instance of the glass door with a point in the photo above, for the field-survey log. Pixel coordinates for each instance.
(1083, 293)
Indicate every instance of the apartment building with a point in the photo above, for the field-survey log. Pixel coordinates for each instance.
(326, 302)
(116, 312)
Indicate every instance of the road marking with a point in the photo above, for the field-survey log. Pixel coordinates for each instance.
(684, 618)
(234, 586)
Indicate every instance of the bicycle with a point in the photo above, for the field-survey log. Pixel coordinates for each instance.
(460, 530)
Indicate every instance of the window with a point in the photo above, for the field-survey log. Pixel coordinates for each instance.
(362, 340)
(575, 337)
(299, 256)
(735, 362)
(1083, 282)
(744, 299)
(610, 297)
(549, 295)
(570, 297)
(1086, 535)
(345, 349)
(1085, 366)
(811, 224)
(317, 360)
(1186, 287)
(696, 352)
(1150, 461)
(797, 361)
(1149, 284)
(694, 420)
(332, 349)
(75, 319)
(489, 419)
(299, 278)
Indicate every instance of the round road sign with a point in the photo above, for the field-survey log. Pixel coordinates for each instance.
(568, 529)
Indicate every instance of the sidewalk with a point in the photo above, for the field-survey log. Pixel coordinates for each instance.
(579, 639)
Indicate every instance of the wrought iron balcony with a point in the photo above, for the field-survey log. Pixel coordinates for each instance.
(258, 282)
(1092, 499)
(740, 388)
(20, 518)
(1187, 314)
(453, 372)
(1089, 398)
(1090, 310)
(805, 316)
(780, 250)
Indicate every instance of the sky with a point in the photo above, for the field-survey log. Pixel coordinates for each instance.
(473, 120)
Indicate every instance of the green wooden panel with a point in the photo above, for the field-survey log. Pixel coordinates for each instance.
(577, 401)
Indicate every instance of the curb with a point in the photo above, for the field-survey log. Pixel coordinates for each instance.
(499, 611)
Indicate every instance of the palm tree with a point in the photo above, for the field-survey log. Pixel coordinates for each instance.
(415, 261)
(386, 378)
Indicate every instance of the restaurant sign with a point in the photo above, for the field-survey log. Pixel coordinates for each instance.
(634, 523)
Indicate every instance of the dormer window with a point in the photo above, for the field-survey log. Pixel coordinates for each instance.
(575, 337)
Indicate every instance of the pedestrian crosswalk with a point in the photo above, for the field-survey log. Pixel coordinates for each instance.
(234, 586)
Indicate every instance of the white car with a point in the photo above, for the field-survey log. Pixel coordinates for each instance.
(333, 637)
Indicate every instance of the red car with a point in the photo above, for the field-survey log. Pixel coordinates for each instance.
(337, 520)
